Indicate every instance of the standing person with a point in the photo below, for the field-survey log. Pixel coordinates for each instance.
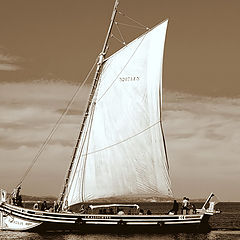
(175, 208)
(55, 206)
(14, 196)
(19, 201)
(19, 197)
(18, 191)
(188, 205)
(185, 205)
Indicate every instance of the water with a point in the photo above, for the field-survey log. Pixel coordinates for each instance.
(229, 219)
(226, 226)
(213, 235)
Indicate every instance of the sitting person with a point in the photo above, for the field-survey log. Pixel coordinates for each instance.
(193, 209)
(149, 212)
(121, 212)
(50, 209)
(44, 206)
(82, 209)
(111, 212)
(35, 206)
(141, 212)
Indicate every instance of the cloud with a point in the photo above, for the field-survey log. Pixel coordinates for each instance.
(202, 140)
(9, 58)
(28, 112)
(8, 62)
(9, 67)
(202, 135)
(47, 175)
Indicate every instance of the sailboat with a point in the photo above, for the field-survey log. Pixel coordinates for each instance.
(120, 152)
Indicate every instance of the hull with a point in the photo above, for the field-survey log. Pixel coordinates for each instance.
(22, 219)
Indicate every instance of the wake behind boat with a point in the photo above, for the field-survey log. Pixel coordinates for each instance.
(120, 151)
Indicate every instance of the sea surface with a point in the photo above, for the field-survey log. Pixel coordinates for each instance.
(225, 226)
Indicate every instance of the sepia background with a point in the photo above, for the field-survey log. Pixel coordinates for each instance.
(47, 49)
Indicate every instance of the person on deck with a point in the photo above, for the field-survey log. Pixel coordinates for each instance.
(149, 212)
(18, 191)
(19, 201)
(111, 212)
(18, 198)
(141, 212)
(55, 206)
(121, 212)
(51, 209)
(185, 205)
(193, 208)
(44, 206)
(35, 206)
(14, 196)
(82, 209)
(175, 208)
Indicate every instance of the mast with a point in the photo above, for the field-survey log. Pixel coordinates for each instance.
(90, 100)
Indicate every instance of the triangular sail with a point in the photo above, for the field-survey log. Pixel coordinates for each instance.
(122, 150)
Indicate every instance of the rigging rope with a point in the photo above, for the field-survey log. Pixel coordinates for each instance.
(85, 136)
(124, 43)
(124, 15)
(113, 36)
(116, 24)
(56, 125)
(133, 26)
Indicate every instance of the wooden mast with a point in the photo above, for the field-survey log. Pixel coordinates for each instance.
(90, 100)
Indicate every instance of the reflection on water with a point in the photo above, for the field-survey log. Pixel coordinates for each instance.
(213, 235)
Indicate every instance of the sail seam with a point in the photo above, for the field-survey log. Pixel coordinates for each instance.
(102, 149)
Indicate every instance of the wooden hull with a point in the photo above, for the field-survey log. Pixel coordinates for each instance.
(22, 219)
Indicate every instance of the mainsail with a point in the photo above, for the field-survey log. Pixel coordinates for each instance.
(122, 151)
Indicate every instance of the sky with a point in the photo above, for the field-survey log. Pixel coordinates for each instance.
(48, 47)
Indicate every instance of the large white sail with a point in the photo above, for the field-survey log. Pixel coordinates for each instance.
(122, 151)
